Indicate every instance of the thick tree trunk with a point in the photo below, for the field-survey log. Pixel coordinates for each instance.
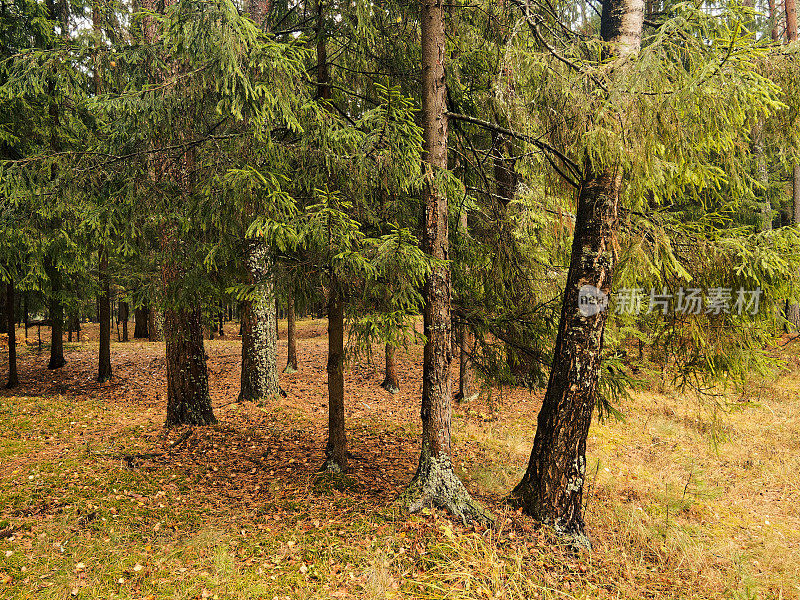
(435, 482)
(390, 383)
(122, 317)
(140, 318)
(56, 318)
(188, 401)
(259, 10)
(791, 20)
(13, 378)
(291, 336)
(259, 344)
(552, 488)
(104, 312)
(773, 17)
(336, 448)
(155, 325)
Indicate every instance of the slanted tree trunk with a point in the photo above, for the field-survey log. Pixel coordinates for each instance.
(13, 378)
(259, 344)
(122, 317)
(104, 312)
(435, 482)
(390, 383)
(155, 325)
(56, 318)
(336, 448)
(291, 336)
(552, 488)
(140, 318)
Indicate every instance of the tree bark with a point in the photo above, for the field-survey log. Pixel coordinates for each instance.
(390, 383)
(140, 318)
(552, 488)
(56, 318)
(291, 335)
(259, 379)
(435, 482)
(793, 312)
(13, 378)
(336, 448)
(773, 17)
(155, 325)
(188, 400)
(791, 20)
(122, 317)
(104, 313)
(3, 318)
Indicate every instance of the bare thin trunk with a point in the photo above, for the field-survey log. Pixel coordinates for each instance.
(793, 311)
(124, 315)
(13, 378)
(104, 313)
(336, 448)
(390, 383)
(291, 336)
(56, 318)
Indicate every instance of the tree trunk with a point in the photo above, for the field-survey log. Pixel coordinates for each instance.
(793, 312)
(124, 315)
(221, 321)
(291, 336)
(140, 318)
(155, 325)
(336, 448)
(56, 318)
(259, 345)
(390, 383)
(791, 20)
(104, 312)
(13, 378)
(466, 379)
(552, 488)
(435, 482)
(773, 17)
(188, 401)
(3, 318)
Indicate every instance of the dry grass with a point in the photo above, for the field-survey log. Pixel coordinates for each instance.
(686, 499)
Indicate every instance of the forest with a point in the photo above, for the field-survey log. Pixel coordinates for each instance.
(399, 299)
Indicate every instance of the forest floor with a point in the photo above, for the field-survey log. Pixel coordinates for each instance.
(685, 498)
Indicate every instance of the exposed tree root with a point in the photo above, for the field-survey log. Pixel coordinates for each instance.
(436, 484)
